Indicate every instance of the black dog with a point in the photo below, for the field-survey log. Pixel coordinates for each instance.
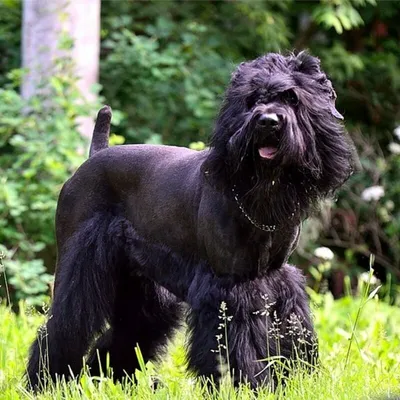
(141, 227)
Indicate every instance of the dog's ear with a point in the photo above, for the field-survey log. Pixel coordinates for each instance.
(336, 113)
(307, 64)
(324, 80)
(332, 105)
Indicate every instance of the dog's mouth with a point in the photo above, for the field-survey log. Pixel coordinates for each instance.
(268, 148)
(267, 142)
(267, 152)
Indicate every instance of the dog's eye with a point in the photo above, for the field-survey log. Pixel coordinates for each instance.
(291, 97)
(251, 102)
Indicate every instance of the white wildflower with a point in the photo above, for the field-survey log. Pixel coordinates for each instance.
(397, 132)
(324, 253)
(373, 193)
(394, 148)
(364, 277)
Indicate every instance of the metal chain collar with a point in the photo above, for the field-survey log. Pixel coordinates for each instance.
(263, 227)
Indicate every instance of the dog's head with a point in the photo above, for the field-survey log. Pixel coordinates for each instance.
(279, 119)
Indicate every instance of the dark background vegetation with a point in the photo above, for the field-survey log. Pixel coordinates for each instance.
(164, 67)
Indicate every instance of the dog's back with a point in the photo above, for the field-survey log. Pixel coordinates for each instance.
(147, 184)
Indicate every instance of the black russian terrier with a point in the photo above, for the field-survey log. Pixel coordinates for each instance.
(141, 229)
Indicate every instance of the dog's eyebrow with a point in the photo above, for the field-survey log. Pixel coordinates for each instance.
(277, 86)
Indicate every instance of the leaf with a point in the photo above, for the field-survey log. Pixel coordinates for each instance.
(335, 22)
(345, 21)
(374, 292)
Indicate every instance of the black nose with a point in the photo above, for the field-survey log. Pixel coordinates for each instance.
(269, 120)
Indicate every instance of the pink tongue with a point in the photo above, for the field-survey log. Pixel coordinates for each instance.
(267, 152)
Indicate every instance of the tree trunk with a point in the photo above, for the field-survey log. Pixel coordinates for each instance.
(43, 22)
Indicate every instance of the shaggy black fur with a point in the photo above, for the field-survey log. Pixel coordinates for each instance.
(140, 228)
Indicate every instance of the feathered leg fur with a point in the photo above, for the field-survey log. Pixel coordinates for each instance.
(253, 326)
(95, 286)
(145, 315)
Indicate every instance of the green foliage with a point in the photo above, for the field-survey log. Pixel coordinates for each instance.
(24, 280)
(343, 65)
(340, 14)
(364, 220)
(40, 148)
(379, 219)
(363, 64)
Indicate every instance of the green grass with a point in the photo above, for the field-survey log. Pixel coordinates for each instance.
(371, 372)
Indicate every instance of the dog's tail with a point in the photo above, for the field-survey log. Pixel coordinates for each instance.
(101, 131)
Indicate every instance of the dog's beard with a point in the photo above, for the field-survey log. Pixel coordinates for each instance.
(278, 175)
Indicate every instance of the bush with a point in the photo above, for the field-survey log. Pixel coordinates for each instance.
(363, 63)
(40, 148)
(10, 37)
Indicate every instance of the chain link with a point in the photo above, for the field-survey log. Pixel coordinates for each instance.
(263, 227)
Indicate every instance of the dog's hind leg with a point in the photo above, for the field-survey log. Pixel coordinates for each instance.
(83, 300)
(145, 315)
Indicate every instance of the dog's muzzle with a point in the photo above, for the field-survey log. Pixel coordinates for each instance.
(271, 123)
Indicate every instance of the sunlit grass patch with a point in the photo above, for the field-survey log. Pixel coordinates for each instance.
(371, 372)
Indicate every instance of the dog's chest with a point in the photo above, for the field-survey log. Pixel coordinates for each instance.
(240, 249)
(264, 251)
(234, 248)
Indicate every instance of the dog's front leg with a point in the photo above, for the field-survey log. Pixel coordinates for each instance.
(229, 328)
(226, 329)
(253, 330)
